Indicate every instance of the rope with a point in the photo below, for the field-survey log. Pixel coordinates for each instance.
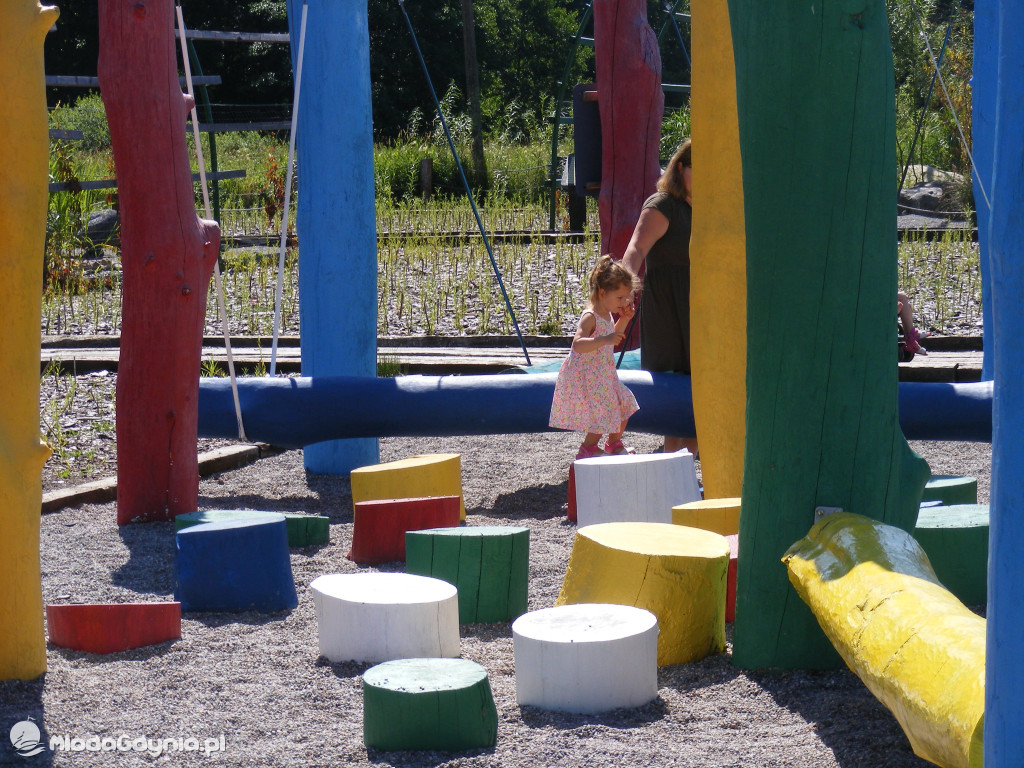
(287, 192)
(206, 207)
(465, 182)
(670, 10)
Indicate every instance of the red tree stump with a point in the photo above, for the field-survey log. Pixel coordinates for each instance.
(631, 101)
(167, 255)
(730, 579)
(572, 493)
(378, 535)
(108, 628)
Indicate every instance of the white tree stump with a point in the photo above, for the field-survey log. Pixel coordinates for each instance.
(586, 658)
(378, 617)
(635, 488)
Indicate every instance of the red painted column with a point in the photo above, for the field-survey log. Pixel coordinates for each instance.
(631, 102)
(167, 256)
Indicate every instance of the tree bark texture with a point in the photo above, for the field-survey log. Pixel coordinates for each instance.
(24, 151)
(167, 255)
(631, 102)
(817, 137)
(718, 257)
(1004, 678)
(336, 217)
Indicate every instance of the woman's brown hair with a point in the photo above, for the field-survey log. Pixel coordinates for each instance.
(671, 180)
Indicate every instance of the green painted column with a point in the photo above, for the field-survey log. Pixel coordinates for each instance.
(817, 139)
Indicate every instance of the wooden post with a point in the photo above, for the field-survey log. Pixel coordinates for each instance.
(631, 102)
(167, 256)
(816, 107)
(479, 175)
(1004, 679)
(426, 177)
(718, 257)
(24, 151)
(336, 217)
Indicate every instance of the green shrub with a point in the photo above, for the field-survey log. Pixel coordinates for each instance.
(88, 116)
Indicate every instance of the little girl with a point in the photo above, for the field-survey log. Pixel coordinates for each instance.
(588, 394)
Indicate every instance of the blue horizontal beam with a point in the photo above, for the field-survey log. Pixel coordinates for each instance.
(294, 412)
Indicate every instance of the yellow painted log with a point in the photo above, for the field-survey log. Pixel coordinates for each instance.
(917, 648)
(433, 474)
(24, 150)
(720, 516)
(718, 256)
(676, 573)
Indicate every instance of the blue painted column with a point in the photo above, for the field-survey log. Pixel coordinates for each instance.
(983, 125)
(1004, 671)
(337, 225)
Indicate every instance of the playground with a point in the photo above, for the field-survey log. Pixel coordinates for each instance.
(257, 678)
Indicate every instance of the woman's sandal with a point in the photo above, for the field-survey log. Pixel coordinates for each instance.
(617, 448)
(590, 452)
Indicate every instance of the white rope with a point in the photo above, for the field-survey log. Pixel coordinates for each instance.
(952, 110)
(206, 205)
(287, 192)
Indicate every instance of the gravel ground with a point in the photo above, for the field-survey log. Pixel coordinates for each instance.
(257, 679)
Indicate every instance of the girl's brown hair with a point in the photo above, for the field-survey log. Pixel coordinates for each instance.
(607, 275)
(671, 180)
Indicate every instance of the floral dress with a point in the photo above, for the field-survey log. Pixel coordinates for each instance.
(588, 394)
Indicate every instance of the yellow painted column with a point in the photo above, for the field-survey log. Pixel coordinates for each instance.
(718, 256)
(24, 149)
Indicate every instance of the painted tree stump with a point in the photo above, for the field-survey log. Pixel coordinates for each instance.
(378, 535)
(730, 579)
(572, 493)
(917, 648)
(112, 627)
(378, 617)
(487, 564)
(633, 488)
(586, 658)
(716, 515)
(951, 490)
(434, 474)
(437, 704)
(234, 565)
(677, 573)
(303, 530)
(955, 538)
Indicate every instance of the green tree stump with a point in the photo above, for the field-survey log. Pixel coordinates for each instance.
(951, 490)
(955, 538)
(420, 704)
(487, 564)
(303, 530)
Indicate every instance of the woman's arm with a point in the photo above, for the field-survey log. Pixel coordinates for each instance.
(650, 228)
(584, 341)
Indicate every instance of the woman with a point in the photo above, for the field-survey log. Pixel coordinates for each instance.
(662, 239)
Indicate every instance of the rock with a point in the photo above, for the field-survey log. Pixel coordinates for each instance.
(104, 228)
(923, 197)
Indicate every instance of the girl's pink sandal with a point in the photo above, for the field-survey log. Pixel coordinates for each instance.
(617, 448)
(590, 452)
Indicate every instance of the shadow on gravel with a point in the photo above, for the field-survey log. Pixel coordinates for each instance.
(587, 724)
(150, 566)
(424, 758)
(212, 619)
(845, 715)
(22, 701)
(345, 669)
(538, 502)
(132, 654)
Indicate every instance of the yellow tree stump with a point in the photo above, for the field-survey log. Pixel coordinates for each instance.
(433, 474)
(676, 573)
(24, 151)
